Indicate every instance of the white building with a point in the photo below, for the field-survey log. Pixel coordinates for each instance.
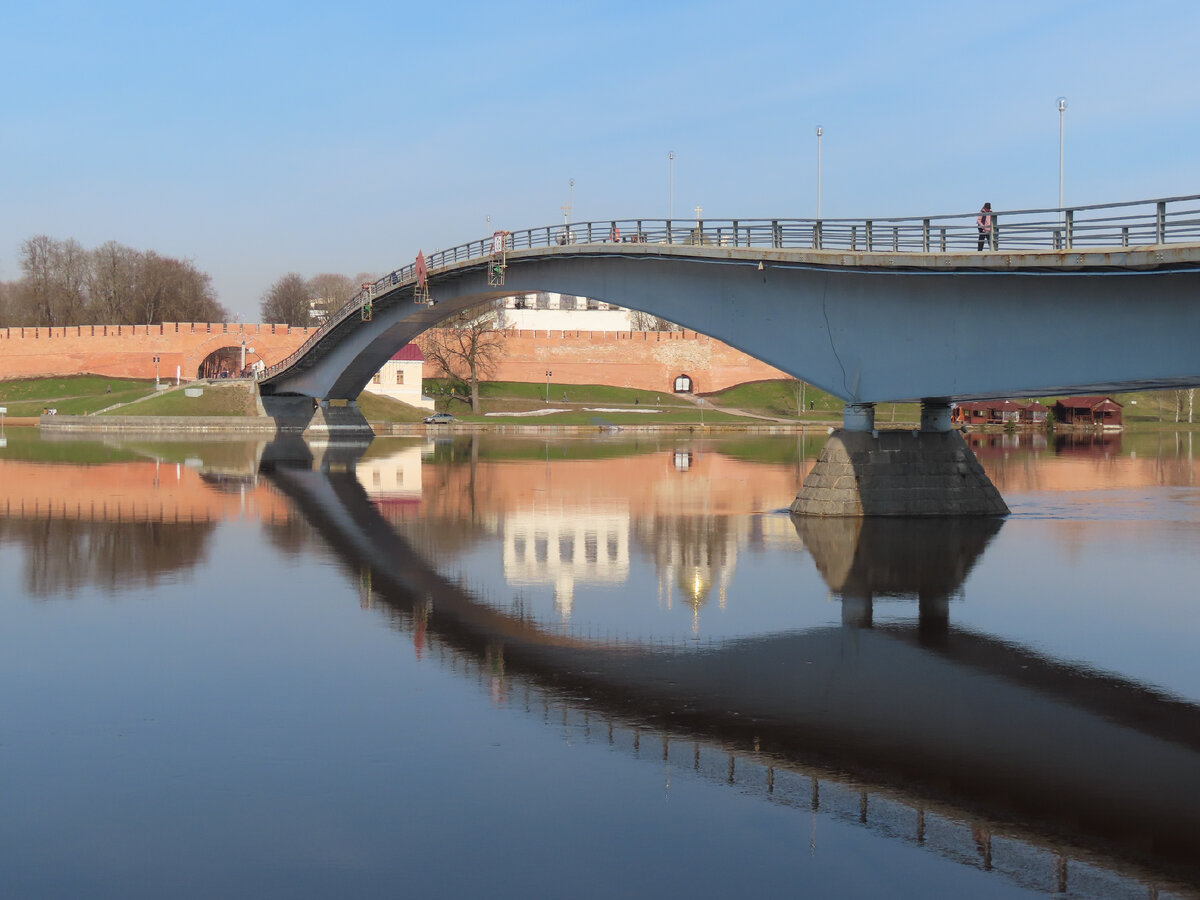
(400, 378)
(546, 311)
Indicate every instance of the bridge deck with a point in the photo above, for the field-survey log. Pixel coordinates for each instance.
(821, 300)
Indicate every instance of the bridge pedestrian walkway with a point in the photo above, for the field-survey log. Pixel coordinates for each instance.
(1049, 237)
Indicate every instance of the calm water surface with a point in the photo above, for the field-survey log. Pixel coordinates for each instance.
(591, 668)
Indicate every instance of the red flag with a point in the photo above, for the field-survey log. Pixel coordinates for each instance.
(421, 271)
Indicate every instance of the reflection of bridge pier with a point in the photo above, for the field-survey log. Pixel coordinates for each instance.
(864, 558)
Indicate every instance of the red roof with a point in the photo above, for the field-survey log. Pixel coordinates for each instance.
(409, 353)
(1086, 402)
(988, 405)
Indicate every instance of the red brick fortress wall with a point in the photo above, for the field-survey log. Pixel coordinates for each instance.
(128, 351)
(648, 360)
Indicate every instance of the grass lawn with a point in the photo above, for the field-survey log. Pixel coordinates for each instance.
(377, 408)
(1148, 411)
(234, 399)
(72, 395)
(766, 399)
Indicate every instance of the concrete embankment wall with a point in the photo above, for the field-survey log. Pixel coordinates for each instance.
(255, 425)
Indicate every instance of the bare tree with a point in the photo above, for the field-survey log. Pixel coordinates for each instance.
(173, 290)
(39, 289)
(113, 282)
(64, 284)
(188, 294)
(644, 321)
(288, 301)
(72, 265)
(53, 290)
(1188, 395)
(8, 290)
(466, 348)
(331, 291)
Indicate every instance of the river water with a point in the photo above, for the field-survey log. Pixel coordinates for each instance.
(591, 668)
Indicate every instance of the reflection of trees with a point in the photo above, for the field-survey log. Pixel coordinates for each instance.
(63, 554)
(293, 536)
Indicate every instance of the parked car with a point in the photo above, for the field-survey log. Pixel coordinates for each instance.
(438, 419)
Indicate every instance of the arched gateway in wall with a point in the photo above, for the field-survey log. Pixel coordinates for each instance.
(129, 351)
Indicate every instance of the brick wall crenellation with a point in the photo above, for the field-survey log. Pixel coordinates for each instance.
(128, 351)
(648, 360)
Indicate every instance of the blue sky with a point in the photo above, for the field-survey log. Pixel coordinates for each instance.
(261, 138)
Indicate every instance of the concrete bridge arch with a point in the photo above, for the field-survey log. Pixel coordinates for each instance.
(866, 327)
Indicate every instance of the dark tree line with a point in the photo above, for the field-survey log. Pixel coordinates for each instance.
(63, 284)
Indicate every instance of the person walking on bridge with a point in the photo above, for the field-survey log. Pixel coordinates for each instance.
(984, 221)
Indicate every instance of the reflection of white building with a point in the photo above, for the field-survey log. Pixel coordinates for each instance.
(693, 555)
(393, 477)
(400, 377)
(564, 547)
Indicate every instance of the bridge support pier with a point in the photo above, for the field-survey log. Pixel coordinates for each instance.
(865, 472)
(295, 414)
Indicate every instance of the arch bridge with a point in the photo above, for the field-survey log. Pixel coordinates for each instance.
(1095, 299)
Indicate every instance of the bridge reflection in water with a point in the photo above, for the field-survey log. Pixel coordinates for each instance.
(1059, 777)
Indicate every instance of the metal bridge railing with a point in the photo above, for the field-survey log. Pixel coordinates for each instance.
(1170, 220)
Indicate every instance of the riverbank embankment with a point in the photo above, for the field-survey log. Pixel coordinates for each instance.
(265, 425)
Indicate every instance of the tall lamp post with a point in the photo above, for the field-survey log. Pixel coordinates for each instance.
(548, 374)
(819, 133)
(156, 373)
(671, 185)
(1062, 116)
(571, 197)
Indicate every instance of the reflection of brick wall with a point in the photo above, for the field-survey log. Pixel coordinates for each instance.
(711, 485)
(130, 492)
(128, 351)
(649, 360)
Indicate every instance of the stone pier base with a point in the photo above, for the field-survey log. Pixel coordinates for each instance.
(299, 415)
(898, 473)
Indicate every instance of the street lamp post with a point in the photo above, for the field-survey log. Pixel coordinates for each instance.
(156, 373)
(1062, 115)
(548, 374)
(819, 133)
(671, 185)
(571, 200)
